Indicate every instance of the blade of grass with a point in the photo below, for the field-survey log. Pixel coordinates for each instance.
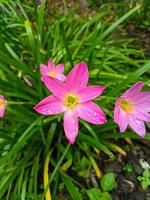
(131, 77)
(71, 188)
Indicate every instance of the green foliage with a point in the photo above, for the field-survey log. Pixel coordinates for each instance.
(30, 34)
(85, 168)
(145, 179)
(128, 167)
(108, 182)
(96, 193)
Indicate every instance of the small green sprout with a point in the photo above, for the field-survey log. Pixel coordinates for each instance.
(96, 193)
(108, 182)
(145, 179)
(128, 167)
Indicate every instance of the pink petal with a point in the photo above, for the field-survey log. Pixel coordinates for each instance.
(91, 112)
(123, 120)
(145, 106)
(138, 126)
(50, 106)
(134, 90)
(120, 117)
(3, 106)
(51, 65)
(43, 69)
(116, 113)
(55, 86)
(71, 125)
(78, 77)
(140, 114)
(60, 68)
(90, 92)
(61, 77)
(142, 97)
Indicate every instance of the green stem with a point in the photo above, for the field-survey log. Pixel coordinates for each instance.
(106, 97)
(18, 103)
(59, 163)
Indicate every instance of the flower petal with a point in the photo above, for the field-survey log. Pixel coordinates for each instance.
(77, 79)
(90, 92)
(55, 86)
(50, 106)
(116, 112)
(92, 113)
(142, 97)
(123, 120)
(134, 90)
(120, 117)
(138, 126)
(60, 68)
(43, 69)
(145, 106)
(51, 65)
(2, 106)
(140, 114)
(71, 125)
(61, 77)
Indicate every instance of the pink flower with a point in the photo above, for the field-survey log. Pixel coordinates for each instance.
(52, 71)
(3, 104)
(74, 99)
(132, 109)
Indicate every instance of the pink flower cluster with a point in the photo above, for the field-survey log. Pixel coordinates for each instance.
(73, 97)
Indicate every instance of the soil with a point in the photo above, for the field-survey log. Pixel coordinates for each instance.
(138, 158)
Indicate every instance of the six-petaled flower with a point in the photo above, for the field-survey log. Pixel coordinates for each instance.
(74, 98)
(53, 71)
(132, 109)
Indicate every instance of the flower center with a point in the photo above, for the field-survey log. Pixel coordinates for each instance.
(126, 106)
(1, 103)
(71, 101)
(52, 74)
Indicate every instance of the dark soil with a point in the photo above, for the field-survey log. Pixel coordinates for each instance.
(128, 187)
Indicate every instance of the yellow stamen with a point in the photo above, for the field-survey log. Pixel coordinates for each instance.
(52, 74)
(1, 103)
(71, 100)
(126, 106)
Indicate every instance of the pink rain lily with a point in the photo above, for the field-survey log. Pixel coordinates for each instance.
(3, 104)
(74, 99)
(53, 71)
(132, 109)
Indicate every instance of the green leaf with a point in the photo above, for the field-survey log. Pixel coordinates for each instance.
(131, 77)
(146, 173)
(108, 182)
(96, 194)
(112, 27)
(71, 188)
(95, 143)
(144, 185)
(106, 196)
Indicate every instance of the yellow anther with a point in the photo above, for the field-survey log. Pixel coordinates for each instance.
(126, 106)
(71, 100)
(1, 103)
(52, 74)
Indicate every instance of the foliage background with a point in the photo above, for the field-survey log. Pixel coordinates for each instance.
(97, 33)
